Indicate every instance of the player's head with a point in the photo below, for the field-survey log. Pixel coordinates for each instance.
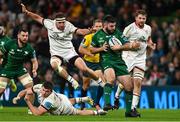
(22, 35)
(2, 30)
(109, 24)
(97, 24)
(60, 20)
(46, 89)
(140, 18)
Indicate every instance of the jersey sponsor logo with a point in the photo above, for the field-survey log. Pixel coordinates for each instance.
(26, 53)
(12, 51)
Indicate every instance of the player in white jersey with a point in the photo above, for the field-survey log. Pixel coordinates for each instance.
(54, 103)
(60, 34)
(135, 60)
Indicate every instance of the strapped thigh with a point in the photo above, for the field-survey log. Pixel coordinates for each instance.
(26, 79)
(138, 73)
(3, 82)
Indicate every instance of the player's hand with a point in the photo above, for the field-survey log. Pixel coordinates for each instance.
(34, 73)
(105, 47)
(152, 46)
(24, 10)
(15, 99)
(135, 45)
(115, 47)
(1, 61)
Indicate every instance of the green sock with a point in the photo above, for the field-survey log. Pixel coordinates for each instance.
(107, 93)
(128, 98)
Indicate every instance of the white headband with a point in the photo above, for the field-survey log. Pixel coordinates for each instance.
(60, 19)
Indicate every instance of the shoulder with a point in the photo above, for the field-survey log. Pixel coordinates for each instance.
(89, 36)
(147, 27)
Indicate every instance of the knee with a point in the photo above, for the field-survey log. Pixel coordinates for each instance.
(137, 82)
(54, 65)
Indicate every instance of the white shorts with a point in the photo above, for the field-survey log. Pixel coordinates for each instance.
(133, 62)
(66, 54)
(68, 107)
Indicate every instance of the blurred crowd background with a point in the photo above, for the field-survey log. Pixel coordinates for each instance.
(163, 16)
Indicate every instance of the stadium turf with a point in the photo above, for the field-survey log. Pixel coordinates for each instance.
(20, 114)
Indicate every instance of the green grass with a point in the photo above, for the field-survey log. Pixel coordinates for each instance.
(20, 114)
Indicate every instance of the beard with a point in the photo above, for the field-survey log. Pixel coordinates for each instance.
(109, 31)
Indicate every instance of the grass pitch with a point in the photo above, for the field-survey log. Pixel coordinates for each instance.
(20, 114)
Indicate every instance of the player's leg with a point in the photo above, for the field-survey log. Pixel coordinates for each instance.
(120, 88)
(80, 64)
(27, 82)
(91, 112)
(56, 65)
(109, 74)
(81, 100)
(3, 84)
(13, 85)
(86, 83)
(100, 89)
(138, 75)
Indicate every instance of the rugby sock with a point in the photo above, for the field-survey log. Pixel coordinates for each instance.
(119, 90)
(107, 93)
(73, 81)
(135, 101)
(81, 99)
(100, 82)
(99, 94)
(128, 98)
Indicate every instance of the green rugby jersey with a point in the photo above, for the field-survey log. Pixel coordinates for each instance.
(3, 40)
(102, 37)
(16, 55)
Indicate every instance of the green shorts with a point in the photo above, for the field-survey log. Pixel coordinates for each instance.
(93, 66)
(11, 74)
(120, 68)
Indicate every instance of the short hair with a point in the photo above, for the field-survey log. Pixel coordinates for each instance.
(21, 29)
(48, 85)
(109, 19)
(60, 16)
(97, 20)
(140, 11)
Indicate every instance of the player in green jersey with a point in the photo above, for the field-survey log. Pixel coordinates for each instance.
(113, 65)
(16, 53)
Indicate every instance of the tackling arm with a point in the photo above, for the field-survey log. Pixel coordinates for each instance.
(128, 46)
(34, 16)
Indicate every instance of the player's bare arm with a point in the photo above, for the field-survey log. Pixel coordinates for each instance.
(100, 49)
(1, 57)
(84, 51)
(35, 110)
(22, 94)
(151, 44)
(34, 66)
(83, 32)
(128, 46)
(34, 16)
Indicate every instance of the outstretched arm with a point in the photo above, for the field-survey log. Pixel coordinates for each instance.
(34, 66)
(35, 110)
(34, 16)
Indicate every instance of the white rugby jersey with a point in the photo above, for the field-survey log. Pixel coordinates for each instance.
(55, 103)
(59, 39)
(132, 32)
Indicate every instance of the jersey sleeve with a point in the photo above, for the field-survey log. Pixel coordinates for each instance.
(71, 28)
(95, 42)
(4, 48)
(36, 88)
(126, 31)
(32, 53)
(123, 38)
(48, 23)
(85, 42)
(149, 31)
(47, 104)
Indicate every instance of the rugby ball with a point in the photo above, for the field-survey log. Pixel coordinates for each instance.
(114, 41)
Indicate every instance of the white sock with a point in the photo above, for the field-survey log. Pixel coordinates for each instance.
(81, 99)
(95, 112)
(100, 82)
(71, 79)
(135, 101)
(119, 90)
